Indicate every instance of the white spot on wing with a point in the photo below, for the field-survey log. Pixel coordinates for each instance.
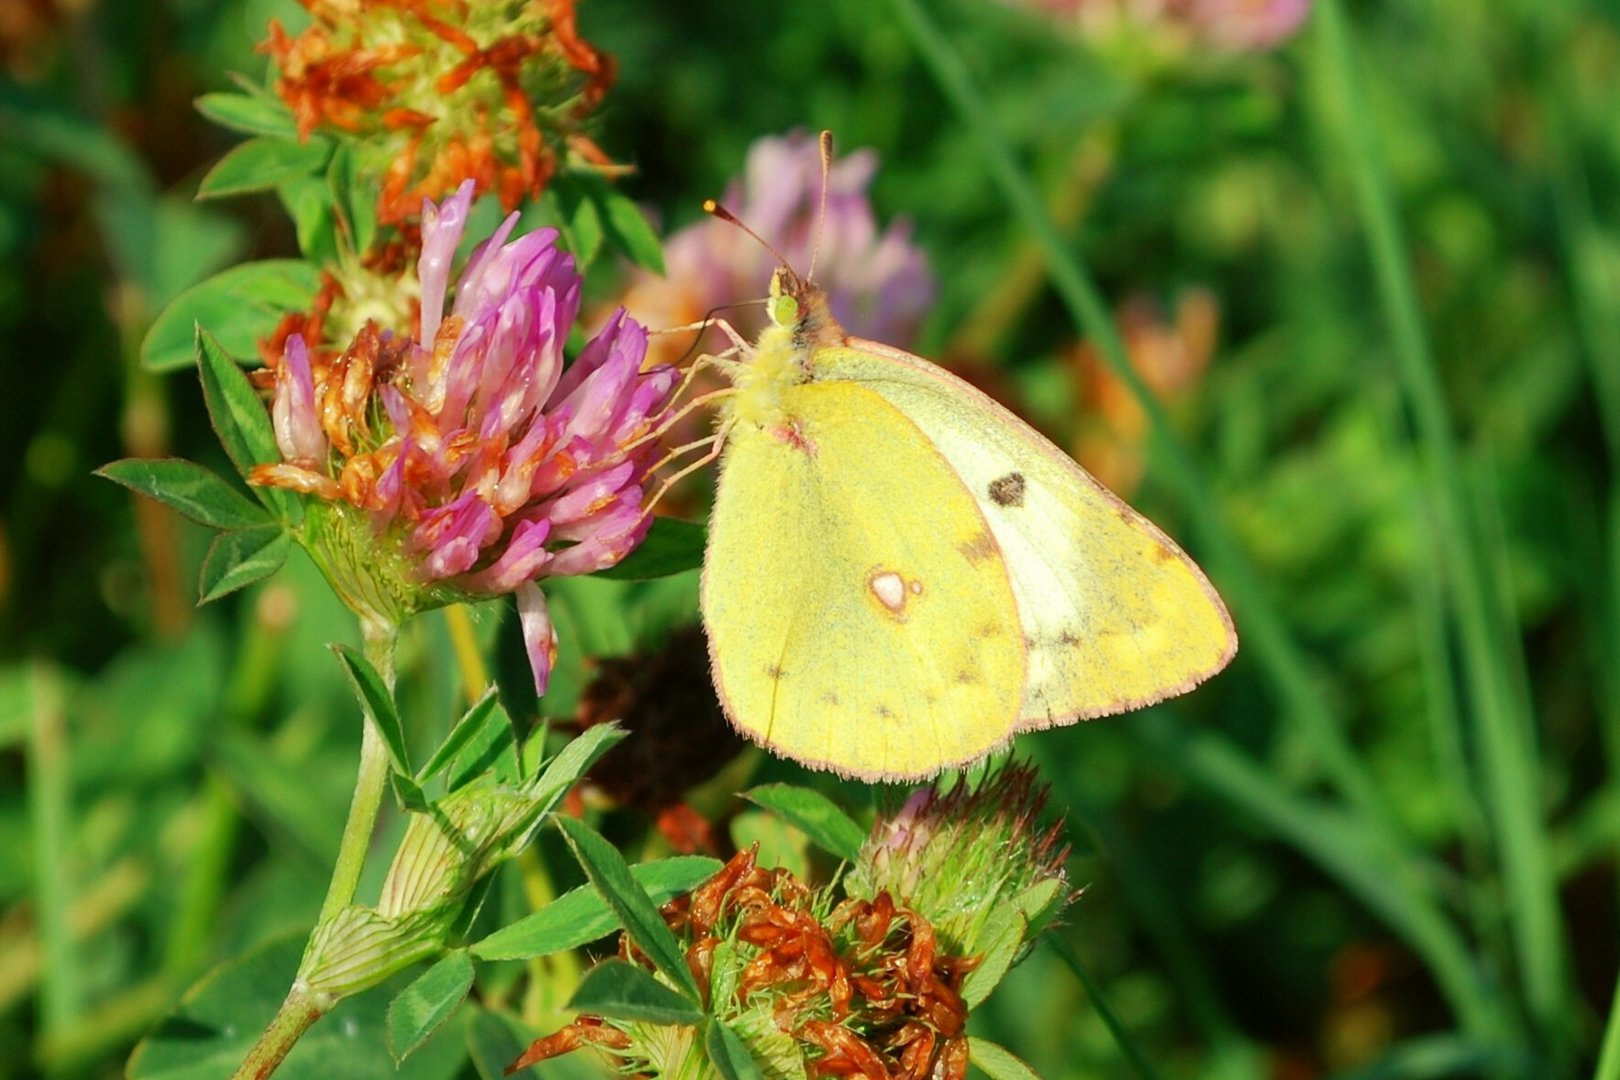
(890, 589)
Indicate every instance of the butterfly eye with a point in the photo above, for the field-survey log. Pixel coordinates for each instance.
(784, 310)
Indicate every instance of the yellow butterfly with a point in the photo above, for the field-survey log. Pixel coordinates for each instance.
(901, 575)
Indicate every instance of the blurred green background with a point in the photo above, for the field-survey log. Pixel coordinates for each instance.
(1382, 259)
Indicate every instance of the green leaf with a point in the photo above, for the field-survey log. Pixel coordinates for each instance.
(997, 947)
(377, 703)
(670, 547)
(629, 230)
(239, 307)
(263, 163)
(495, 1041)
(728, 1054)
(581, 916)
(998, 1062)
(408, 793)
(564, 770)
(354, 200)
(276, 792)
(468, 726)
(489, 747)
(818, 816)
(624, 991)
(635, 909)
(188, 488)
(242, 422)
(238, 558)
(588, 232)
(166, 245)
(308, 201)
(419, 1010)
(249, 114)
(216, 1023)
(781, 846)
(1040, 903)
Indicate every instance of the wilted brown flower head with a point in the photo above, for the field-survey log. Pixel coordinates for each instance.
(678, 737)
(441, 91)
(861, 988)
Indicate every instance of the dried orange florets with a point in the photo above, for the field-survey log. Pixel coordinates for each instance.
(446, 90)
(863, 989)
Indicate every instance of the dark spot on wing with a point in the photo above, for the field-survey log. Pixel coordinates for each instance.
(980, 548)
(829, 698)
(775, 672)
(1008, 490)
(885, 712)
(966, 678)
(1069, 638)
(1162, 553)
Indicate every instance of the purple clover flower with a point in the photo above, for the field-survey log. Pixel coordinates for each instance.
(1229, 26)
(474, 460)
(877, 282)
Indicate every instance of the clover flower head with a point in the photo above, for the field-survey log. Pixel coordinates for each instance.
(1177, 27)
(467, 460)
(877, 281)
(957, 856)
(441, 91)
(814, 988)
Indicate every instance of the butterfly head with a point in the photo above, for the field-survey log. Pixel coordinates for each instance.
(799, 306)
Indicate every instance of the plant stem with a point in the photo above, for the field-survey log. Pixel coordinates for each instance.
(297, 1014)
(301, 1009)
(1337, 844)
(1122, 1038)
(1608, 1066)
(369, 784)
(50, 810)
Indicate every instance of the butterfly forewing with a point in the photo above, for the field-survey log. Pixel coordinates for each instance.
(1113, 614)
(860, 613)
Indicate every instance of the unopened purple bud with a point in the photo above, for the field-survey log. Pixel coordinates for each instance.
(297, 423)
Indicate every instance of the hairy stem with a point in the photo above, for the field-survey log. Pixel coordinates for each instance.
(301, 1008)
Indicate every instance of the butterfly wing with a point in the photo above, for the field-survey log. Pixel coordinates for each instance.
(859, 613)
(1115, 616)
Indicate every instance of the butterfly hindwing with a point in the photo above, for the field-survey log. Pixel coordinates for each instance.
(1114, 615)
(860, 613)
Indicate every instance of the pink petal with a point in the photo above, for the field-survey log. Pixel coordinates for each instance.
(604, 540)
(523, 560)
(454, 534)
(591, 494)
(539, 636)
(442, 226)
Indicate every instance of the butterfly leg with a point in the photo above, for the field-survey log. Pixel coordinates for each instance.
(714, 443)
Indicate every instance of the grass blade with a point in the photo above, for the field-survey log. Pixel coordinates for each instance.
(1122, 1038)
(49, 811)
(1508, 755)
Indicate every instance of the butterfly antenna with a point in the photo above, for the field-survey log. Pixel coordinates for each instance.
(714, 208)
(821, 213)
